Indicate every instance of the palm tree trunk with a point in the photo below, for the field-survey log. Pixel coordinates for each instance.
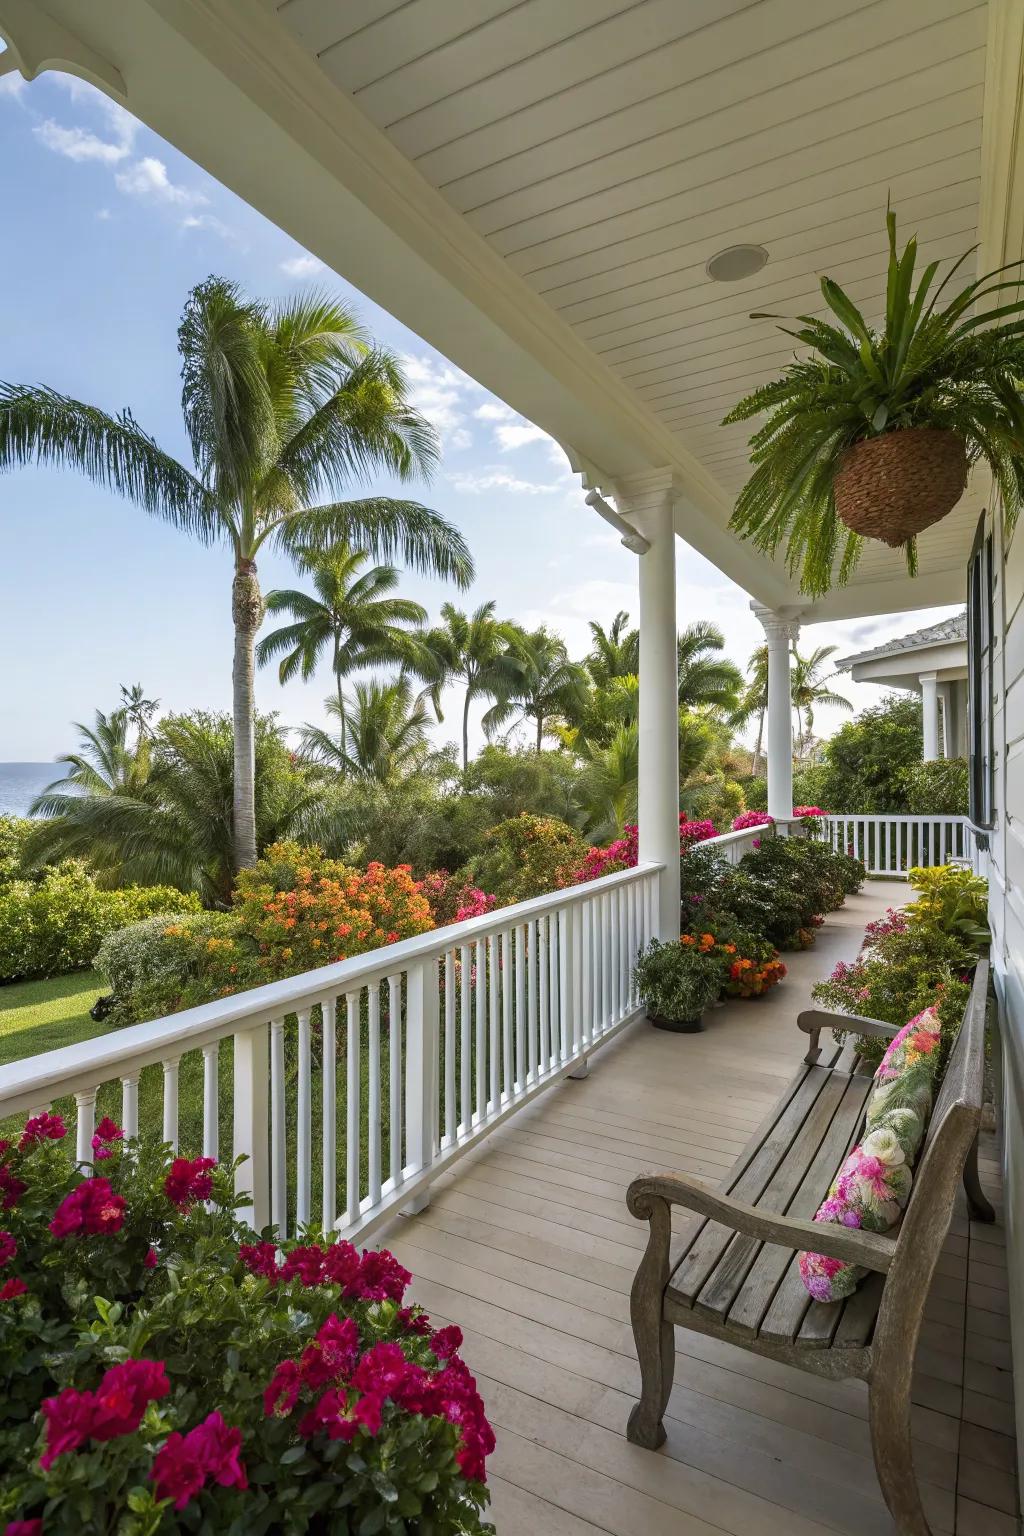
(465, 732)
(540, 731)
(247, 615)
(756, 764)
(341, 700)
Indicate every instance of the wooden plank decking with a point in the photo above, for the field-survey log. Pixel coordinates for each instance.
(529, 1247)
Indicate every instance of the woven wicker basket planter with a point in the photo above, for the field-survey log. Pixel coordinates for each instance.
(894, 486)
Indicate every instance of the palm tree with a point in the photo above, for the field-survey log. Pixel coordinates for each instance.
(175, 826)
(707, 679)
(541, 683)
(809, 687)
(352, 615)
(139, 709)
(106, 764)
(384, 732)
(754, 701)
(472, 649)
(615, 651)
(283, 403)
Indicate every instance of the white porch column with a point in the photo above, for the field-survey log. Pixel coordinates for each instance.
(948, 722)
(930, 707)
(781, 632)
(647, 502)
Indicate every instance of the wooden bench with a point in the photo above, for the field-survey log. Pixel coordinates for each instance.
(734, 1273)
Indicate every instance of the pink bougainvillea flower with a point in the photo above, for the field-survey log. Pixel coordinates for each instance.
(332, 1354)
(446, 1342)
(68, 1422)
(189, 1181)
(119, 1401)
(282, 1391)
(12, 1288)
(184, 1462)
(260, 1259)
(305, 1263)
(92, 1207)
(412, 1320)
(331, 1413)
(151, 1259)
(11, 1188)
(8, 1248)
(178, 1470)
(44, 1127)
(379, 1277)
(382, 1369)
(23, 1528)
(341, 1264)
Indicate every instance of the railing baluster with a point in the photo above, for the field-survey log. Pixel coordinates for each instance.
(481, 1030)
(543, 1003)
(304, 1125)
(522, 1037)
(466, 1037)
(494, 1023)
(211, 1100)
(586, 973)
(353, 1149)
(329, 1094)
(171, 1101)
(249, 1132)
(130, 1104)
(85, 1124)
(395, 1075)
(278, 1131)
(451, 1110)
(507, 986)
(373, 1094)
(532, 1020)
(554, 993)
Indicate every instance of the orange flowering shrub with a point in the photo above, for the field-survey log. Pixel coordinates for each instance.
(304, 910)
(750, 965)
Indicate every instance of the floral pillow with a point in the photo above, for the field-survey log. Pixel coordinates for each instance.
(870, 1190)
(873, 1186)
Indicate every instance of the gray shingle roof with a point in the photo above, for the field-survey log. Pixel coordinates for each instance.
(954, 628)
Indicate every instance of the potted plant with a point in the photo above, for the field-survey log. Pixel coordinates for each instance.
(678, 982)
(873, 433)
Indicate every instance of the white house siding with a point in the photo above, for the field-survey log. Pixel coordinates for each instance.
(1006, 902)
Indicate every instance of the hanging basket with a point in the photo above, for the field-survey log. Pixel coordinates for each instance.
(894, 486)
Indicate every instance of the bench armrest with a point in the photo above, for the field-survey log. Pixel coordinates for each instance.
(813, 1020)
(870, 1249)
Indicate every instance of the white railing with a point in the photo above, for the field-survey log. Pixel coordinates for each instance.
(892, 845)
(349, 1089)
(733, 845)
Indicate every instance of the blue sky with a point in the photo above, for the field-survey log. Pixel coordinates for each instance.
(107, 228)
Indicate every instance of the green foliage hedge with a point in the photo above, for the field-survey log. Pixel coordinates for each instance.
(57, 922)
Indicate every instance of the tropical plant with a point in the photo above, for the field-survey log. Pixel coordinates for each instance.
(677, 981)
(753, 701)
(539, 683)
(352, 615)
(139, 709)
(867, 759)
(615, 652)
(947, 366)
(283, 403)
(176, 827)
(952, 900)
(471, 649)
(808, 687)
(936, 788)
(526, 856)
(107, 762)
(384, 732)
(707, 679)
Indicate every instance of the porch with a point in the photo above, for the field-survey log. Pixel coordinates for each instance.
(528, 1246)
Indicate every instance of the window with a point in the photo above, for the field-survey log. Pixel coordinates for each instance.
(979, 678)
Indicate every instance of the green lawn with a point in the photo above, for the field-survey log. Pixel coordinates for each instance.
(42, 1015)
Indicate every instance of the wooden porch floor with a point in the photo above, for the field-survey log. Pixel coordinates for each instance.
(529, 1247)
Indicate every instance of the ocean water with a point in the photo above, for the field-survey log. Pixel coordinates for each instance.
(21, 782)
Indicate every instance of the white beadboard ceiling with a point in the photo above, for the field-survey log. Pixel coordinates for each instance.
(606, 150)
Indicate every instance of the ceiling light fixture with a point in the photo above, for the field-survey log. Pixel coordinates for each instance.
(736, 262)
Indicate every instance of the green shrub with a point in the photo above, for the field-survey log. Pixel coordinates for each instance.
(525, 857)
(678, 981)
(755, 792)
(939, 788)
(163, 964)
(809, 786)
(14, 835)
(866, 761)
(952, 900)
(57, 923)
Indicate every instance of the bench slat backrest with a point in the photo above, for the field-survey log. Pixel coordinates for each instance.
(954, 1124)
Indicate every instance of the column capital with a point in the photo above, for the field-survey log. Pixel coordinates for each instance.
(781, 625)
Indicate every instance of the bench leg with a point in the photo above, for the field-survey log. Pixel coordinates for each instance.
(977, 1200)
(654, 1337)
(889, 1417)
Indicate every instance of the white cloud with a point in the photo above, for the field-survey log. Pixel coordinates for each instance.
(12, 84)
(148, 179)
(442, 394)
(494, 410)
(510, 430)
(208, 221)
(79, 143)
(302, 266)
(103, 214)
(491, 478)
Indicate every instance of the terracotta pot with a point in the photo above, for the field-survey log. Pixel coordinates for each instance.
(677, 1026)
(894, 486)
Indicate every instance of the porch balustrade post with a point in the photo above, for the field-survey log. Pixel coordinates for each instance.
(930, 714)
(781, 632)
(251, 1120)
(648, 503)
(422, 1008)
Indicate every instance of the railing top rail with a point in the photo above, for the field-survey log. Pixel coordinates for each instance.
(74, 1067)
(726, 839)
(893, 816)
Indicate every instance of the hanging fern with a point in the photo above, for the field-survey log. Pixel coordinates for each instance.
(928, 367)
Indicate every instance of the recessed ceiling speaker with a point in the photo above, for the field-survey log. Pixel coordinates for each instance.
(736, 262)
